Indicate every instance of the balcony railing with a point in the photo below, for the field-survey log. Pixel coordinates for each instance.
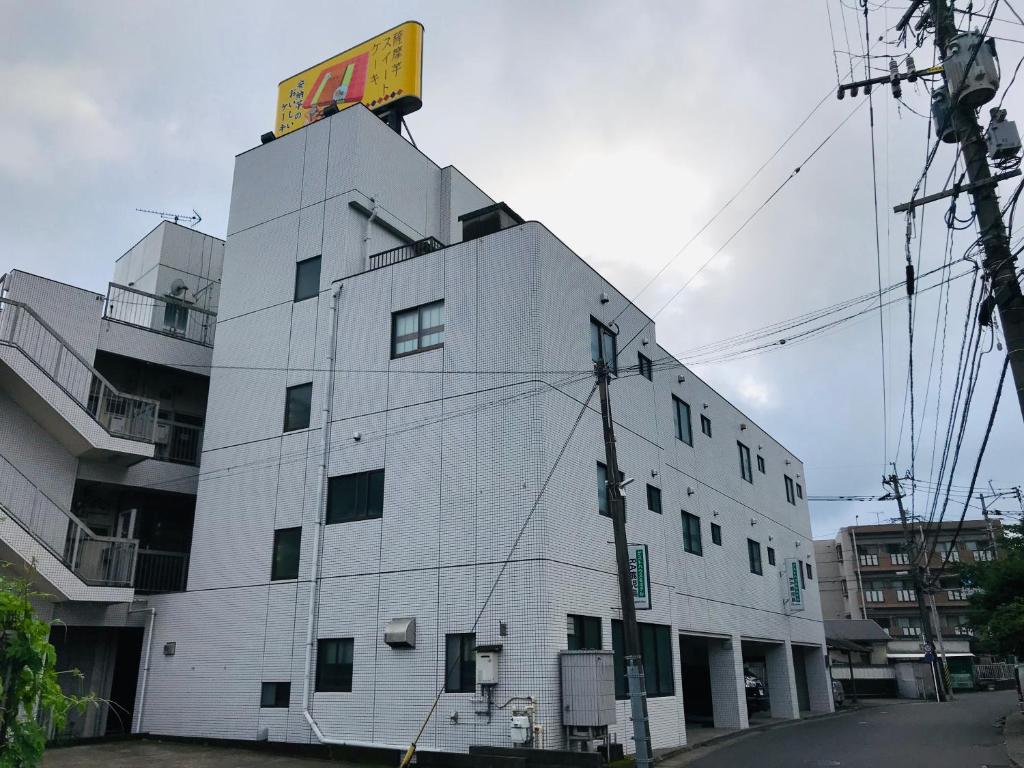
(955, 594)
(906, 596)
(983, 555)
(120, 414)
(96, 560)
(964, 631)
(178, 443)
(404, 252)
(160, 314)
(909, 631)
(160, 571)
(874, 596)
(954, 555)
(900, 558)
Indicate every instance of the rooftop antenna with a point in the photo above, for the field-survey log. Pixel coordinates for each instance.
(177, 218)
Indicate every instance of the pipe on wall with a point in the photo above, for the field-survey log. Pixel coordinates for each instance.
(145, 664)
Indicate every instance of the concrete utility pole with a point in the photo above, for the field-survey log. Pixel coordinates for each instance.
(917, 571)
(999, 263)
(630, 632)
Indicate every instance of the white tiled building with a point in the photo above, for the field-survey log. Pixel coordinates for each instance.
(462, 360)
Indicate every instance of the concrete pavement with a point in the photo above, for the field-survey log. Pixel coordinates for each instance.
(960, 734)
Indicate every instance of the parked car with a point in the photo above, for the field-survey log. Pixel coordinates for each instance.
(838, 695)
(757, 693)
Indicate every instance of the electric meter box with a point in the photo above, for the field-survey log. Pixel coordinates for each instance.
(977, 87)
(1002, 137)
(588, 688)
(519, 729)
(487, 664)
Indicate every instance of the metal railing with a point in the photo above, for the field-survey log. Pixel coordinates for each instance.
(983, 555)
(909, 631)
(403, 252)
(869, 559)
(121, 415)
(178, 443)
(160, 571)
(900, 558)
(160, 314)
(96, 560)
(963, 631)
(955, 594)
(993, 671)
(874, 596)
(906, 596)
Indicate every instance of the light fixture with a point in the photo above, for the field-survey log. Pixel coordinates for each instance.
(357, 436)
(690, 491)
(645, 341)
(331, 109)
(681, 378)
(742, 427)
(267, 137)
(715, 513)
(604, 298)
(654, 473)
(753, 522)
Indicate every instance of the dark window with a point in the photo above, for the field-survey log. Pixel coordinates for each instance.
(745, 471)
(684, 430)
(460, 663)
(754, 552)
(790, 491)
(602, 489)
(760, 464)
(656, 654)
(646, 369)
(334, 664)
(716, 534)
(810, 573)
(799, 491)
(307, 278)
(771, 556)
(584, 633)
(839, 552)
(691, 534)
(803, 584)
(175, 318)
(654, 499)
(275, 694)
(297, 402)
(602, 345)
(417, 329)
(355, 497)
(285, 564)
(705, 425)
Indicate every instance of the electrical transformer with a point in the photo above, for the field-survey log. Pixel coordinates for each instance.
(942, 117)
(1001, 137)
(978, 86)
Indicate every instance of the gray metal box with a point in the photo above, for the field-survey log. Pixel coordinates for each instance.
(588, 687)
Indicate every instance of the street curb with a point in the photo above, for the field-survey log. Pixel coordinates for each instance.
(1013, 738)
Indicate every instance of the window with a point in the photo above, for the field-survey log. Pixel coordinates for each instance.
(771, 555)
(359, 496)
(646, 369)
(705, 425)
(307, 279)
(810, 572)
(799, 491)
(285, 564)
(603, 494)
(584, 633)
(803, 584)
(839, 552)
(334, 665)
(175, 317)
(684, 431)
(745, 472)
(417, 329)
(754, 553)
(275, 695)
(460, 663)
(602, 345)
(716, 534)
(790, 492)
(297, 402)
(656, 653)
(760, 464)
(654, 499)
(691, 534)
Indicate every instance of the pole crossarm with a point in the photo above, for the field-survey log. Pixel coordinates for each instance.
(956, 189)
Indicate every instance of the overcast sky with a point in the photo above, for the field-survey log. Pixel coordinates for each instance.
(623, 127)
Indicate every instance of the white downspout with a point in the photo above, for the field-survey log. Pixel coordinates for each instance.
(145, 663)
(314, 591)
(367, 236)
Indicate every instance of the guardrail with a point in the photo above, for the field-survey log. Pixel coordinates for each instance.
(161, 571)
(96, 560)
(160, 314)
(178, 443)
(403, 252)
(121, 415)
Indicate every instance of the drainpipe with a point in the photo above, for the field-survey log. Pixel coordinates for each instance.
(860, 581)
(366, 232)
(145, 662)
(314, 591)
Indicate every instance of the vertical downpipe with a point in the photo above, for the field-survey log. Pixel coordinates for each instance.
(367, 236)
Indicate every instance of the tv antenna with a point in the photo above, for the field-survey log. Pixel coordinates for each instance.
(177, 218)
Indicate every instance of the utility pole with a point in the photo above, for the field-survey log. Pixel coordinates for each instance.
(999, 263)
(988, 524)
(630, 632)
(917, 571)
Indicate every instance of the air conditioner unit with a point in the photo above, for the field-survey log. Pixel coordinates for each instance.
(117, 424)
(163, 434)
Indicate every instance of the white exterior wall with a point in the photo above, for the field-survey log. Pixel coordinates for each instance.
(466, 454)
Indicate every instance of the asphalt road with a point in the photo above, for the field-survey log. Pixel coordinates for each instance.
(960, 734)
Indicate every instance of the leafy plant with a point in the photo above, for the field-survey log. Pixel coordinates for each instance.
(997, 605)
(29, 689)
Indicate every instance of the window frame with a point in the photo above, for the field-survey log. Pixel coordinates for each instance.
(716, 534)
(587, 628)
(299, 265)
(810, 570)
(799, 489)
(275, 557)
(691, 522)
(334, 517)
(654, 497)
(677, 405)
(756, 564)
(344, 685)
(645, 365)
(760, 464)
(790, 490)
(420, 330)
(705, 425)
(746, 468)
(288, 426)
(659, 673)
(602, 331)
(771, 555)
(466, 667)
(278, 687)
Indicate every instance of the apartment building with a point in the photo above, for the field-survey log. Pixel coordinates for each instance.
(102, 409)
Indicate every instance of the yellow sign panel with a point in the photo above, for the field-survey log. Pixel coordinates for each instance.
(384, 73)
